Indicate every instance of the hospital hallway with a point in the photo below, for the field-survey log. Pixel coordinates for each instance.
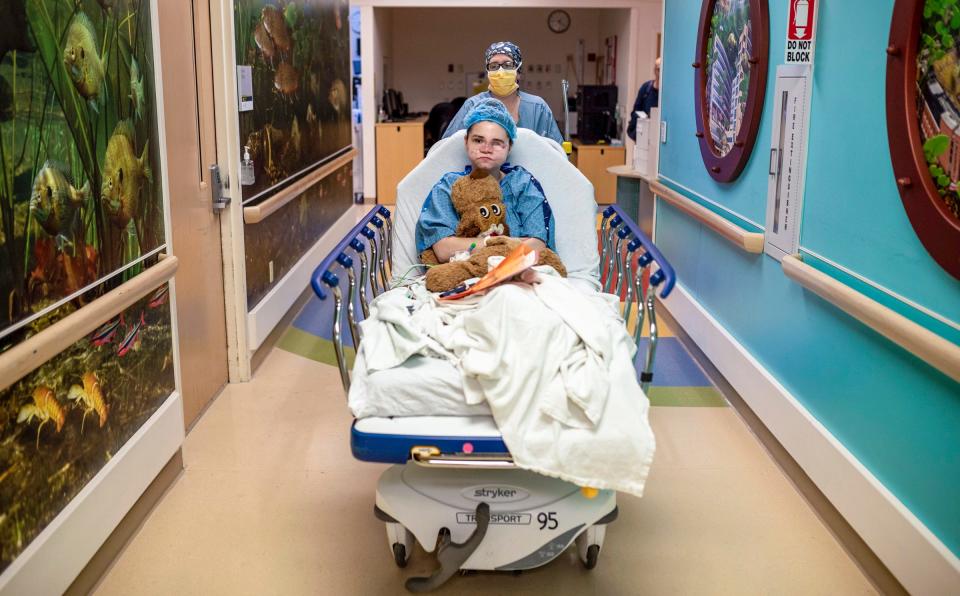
(270, 501)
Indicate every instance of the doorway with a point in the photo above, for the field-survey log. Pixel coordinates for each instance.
(188, 96)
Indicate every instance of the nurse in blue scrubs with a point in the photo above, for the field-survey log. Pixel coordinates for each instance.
(503, 61)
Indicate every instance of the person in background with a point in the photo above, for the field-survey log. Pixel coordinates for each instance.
(490, 134)
(648, 97)
(503, 61)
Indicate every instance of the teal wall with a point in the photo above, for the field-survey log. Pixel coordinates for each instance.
(897, 415)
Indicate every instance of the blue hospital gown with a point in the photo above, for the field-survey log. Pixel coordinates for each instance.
(528, 213)
(535, 114)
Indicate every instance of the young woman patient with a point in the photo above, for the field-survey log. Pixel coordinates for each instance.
(490, 135)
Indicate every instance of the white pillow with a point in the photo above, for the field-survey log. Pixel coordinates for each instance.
(568, 192)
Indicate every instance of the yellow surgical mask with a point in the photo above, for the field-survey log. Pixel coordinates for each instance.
(503, 82)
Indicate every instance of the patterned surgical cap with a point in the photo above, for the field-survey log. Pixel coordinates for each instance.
(507, 48)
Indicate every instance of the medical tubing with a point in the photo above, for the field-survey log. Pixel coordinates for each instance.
(338, 339)
(359, 248)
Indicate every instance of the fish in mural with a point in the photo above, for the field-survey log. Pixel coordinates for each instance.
(338, 96)
(14, 33)
(264, 42)
(131, 341)
(159, 297)
(90, 398)
(123, 175)
(277, 27)
(106, 332)
(44, 408)
(82, 60)
(54, 202)
(287, 79)
(136, 88)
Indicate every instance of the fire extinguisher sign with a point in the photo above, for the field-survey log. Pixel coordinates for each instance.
(801, 31)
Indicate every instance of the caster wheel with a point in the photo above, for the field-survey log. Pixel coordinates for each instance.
(400, 555)
(592, 553)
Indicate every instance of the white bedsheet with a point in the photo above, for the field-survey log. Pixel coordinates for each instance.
(553, 364)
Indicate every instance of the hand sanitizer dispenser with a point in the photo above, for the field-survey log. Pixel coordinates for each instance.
(247, 176)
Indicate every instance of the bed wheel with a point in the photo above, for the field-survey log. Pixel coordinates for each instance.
(591, 559)
(401, 543)
(589, 543)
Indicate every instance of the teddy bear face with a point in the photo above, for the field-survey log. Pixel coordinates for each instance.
(488, 217)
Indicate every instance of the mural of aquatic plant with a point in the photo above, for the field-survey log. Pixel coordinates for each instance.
(299, 53)
(78, 151)
(938, 97)
(728, 71)
(63, 422)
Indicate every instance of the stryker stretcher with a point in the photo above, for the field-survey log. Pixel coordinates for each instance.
(454, 487)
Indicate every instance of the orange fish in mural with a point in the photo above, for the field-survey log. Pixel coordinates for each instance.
(90, 398)
(276, 26)
(287, 79)
(45, 408)
(264, 42)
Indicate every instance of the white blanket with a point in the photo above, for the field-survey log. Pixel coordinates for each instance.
(554, 365)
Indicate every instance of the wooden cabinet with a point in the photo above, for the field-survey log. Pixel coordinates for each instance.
(593, 161)
(399, 150)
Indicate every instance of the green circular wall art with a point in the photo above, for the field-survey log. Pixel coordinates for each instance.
(923, 115)
(731, 78)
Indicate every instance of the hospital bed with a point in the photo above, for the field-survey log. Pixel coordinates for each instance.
(453, 486)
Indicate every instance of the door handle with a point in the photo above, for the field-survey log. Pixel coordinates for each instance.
(217, 185)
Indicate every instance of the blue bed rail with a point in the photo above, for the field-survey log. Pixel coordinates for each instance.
(626, 254)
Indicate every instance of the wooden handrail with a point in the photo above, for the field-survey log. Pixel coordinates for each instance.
(919, 341)
(23, 358)
(259, 212)
(749, 241)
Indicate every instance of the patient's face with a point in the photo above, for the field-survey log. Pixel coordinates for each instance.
(487, 146)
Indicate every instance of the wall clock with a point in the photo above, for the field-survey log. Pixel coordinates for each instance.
(558, 21)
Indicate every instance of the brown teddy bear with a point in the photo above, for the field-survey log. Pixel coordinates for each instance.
(479, 203)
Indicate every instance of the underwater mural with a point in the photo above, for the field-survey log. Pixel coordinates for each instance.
(63, 422)
(729, 49)
(79, 197)
(298, 52)
(290, 232)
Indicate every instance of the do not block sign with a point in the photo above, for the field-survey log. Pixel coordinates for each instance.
(801, 31)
